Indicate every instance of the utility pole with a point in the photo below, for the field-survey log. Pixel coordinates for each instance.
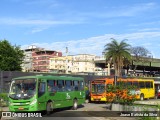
(66, 60)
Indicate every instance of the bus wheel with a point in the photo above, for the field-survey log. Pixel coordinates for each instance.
(75, 104)
(141, 97)
(49, 108)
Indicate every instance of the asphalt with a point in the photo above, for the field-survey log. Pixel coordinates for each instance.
(94, 107)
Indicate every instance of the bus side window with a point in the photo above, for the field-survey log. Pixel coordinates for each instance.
(60, 85)
(55, 87)
(148, 84)
(50, 85)
(68, 85)
(141, 84)
(75, 85)
(135, 84)
(81, 85)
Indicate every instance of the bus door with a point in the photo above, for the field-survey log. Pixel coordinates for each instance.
(151, 89)
(42, 98)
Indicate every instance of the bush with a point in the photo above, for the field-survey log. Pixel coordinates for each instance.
(4, 96)
(3, 99)
(121, 94)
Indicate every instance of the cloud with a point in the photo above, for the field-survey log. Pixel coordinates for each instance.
(149, 29)
(35, 30)
(148, 25)
(122, 11)
(95, 45)
(137, 9)
(38, 24)
(15, 21)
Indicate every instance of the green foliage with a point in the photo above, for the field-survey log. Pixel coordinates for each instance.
(11, 57)
(121, 93)
(4, 99)
(117, 53)
(147, 118)
(4, 96)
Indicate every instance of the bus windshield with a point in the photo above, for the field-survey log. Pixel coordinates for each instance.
(98, 88)
(22, 89)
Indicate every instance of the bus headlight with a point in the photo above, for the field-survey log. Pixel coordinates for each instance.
(33, 102)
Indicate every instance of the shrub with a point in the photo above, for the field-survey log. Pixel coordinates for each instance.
(3, 99)
(121, 94)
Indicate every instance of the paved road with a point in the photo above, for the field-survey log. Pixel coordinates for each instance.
(90, 111)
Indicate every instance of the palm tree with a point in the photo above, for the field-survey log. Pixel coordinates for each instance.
(117, 53)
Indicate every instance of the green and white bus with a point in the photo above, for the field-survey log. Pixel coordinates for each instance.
(39, 93)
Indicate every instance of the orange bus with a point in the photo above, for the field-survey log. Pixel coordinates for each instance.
(98, 89)
(144, 87)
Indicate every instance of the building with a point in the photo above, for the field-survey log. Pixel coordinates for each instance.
(73, 64)
(27, 65)
(63, 64)
(101, 67)
(83, 63)
(151, 67)
(41, 59)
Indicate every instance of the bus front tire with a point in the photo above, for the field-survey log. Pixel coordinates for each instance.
(141, 97)
(75, 105)
(49, 108)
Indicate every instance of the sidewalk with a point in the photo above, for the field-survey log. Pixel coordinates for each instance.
(5, 109)
(151, 102)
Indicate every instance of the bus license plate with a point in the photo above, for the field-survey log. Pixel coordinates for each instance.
(20, 108)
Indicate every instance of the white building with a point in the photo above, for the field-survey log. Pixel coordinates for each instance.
(83, 63)
(62, 64)
(73, 64)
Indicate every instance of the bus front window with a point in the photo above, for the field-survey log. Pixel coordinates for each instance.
(98, 88)
(22, 89)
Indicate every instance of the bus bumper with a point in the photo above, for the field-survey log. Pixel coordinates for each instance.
(98, 99)
(23, 108)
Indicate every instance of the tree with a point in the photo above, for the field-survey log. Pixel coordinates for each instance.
(11, 57)
(117, 53)
(140, 55)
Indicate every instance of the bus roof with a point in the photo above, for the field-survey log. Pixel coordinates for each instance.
(135, 79)
(50, 77)
(104, 78)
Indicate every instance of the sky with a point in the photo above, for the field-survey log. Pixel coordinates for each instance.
(84, 26)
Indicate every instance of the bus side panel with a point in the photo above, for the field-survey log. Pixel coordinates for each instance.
(149, 92)
(152, 91)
